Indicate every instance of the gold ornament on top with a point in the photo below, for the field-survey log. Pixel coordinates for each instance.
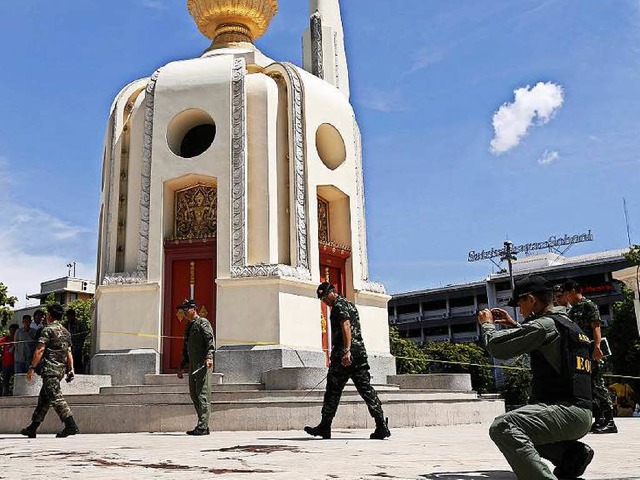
(225, 21)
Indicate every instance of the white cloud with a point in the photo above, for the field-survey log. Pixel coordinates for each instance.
(548, 157)
(531, 106)
(384, 101)
(154, 4)
(36, 246)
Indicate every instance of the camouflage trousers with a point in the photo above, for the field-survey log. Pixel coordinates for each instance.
(337, 379)
(200, 391)
(530, 433)
(51, 396)
(602, 403)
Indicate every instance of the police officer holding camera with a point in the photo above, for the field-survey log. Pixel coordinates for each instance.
(559, 412)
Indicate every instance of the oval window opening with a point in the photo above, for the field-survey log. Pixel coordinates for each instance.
(191, 133)
(330, 146)
(197, 140)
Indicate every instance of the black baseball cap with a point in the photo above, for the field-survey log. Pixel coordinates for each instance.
(530, 284)
(324, 289)
(187, 304)
(55, 310)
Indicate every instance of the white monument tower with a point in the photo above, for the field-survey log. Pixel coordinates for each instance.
(236, 180)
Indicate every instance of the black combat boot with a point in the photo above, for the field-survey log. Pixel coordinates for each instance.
(199, 431)
(382, 429)
(30, 431)
(322, 430)
(575, 461)
(608, 426)
(70, 428)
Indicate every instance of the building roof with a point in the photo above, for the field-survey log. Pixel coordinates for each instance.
(540, 263)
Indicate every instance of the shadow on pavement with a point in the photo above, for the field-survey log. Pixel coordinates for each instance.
(488, 475)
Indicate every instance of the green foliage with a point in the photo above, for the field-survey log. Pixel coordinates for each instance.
(6, 304)
(517, 387)
(481, 376)
(622, 336)
(84, 312)
(410, 359)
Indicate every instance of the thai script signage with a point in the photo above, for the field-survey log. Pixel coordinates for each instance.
(526, 248)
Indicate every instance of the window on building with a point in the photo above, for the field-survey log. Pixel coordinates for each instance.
(501, 286)
(461, 302)
(412, 308)
(433, 331)
(464, 328)
(414, 332)
(434, 305)
(482, 299)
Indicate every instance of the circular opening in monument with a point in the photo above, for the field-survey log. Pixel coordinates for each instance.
(330, 146)
(191, 133)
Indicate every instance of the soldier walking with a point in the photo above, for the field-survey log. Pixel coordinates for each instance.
(348, 361)
(197, 355)
(54, 348)
(586, 315)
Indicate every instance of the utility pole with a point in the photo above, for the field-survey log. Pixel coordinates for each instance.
(70, 266)
(510, 257)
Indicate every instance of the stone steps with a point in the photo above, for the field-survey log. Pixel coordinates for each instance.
(249, 415)
(164, 405)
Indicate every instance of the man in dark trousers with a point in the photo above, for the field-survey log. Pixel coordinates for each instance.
(78, 332)
(586, 315)
(197, 356)
(348, 361)
(559, 411)
(54, 349)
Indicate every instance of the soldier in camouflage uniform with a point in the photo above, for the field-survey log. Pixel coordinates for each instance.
(197, 355)
(348, 361)
(54, 348)
(586, 315)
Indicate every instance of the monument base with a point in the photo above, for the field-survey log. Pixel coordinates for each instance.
(81, 385)
(246, 363)
(126, 367)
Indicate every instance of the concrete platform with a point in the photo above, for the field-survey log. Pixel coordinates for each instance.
(425, 453)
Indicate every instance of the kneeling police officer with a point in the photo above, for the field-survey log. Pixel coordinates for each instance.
(559, 412)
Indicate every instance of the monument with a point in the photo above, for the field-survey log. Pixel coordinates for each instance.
(236, 180)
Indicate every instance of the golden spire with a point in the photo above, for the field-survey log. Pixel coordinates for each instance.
(225, 21)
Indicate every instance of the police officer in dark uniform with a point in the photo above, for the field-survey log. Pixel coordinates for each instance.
(559, 412)
(348, 361)
(197, 355)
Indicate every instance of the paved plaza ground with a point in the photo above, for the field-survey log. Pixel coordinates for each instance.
(459, 452)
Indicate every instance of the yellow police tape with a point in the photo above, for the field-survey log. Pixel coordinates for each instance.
(252, 342)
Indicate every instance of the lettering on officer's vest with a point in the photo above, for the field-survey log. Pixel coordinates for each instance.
(583, 364)
(583, 338)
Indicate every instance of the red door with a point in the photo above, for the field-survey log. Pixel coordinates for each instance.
(190, 272)
(332, 270)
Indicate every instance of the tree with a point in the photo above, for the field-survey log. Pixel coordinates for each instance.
(6, 304)
(517, 387)
(633, 256)
(410, 359)
(622, 335)
(460, 355)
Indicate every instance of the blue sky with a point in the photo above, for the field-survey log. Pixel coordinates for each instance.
(427, 78)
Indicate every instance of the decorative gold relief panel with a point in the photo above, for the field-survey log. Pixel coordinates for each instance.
(196, 213)
(323, 220)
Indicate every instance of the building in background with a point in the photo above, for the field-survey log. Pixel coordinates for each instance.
(449, 313)
(64, 291)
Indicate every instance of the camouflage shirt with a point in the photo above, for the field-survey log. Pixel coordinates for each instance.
(198, 343)
(344, 310)
(584, 313)
(57, 341)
